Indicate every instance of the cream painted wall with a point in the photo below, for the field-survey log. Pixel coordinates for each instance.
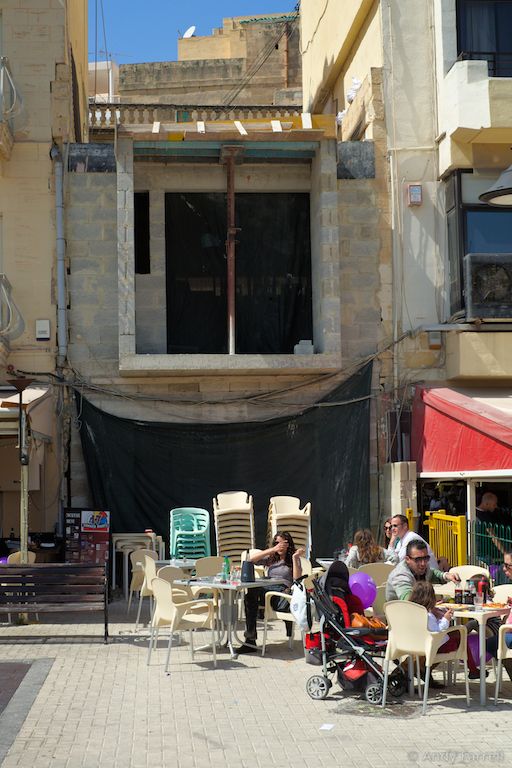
(366, 53)
(77, 35)
(328, 31)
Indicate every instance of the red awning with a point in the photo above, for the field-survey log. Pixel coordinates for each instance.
(455, 430)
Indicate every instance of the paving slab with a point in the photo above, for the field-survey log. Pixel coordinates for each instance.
(88, 705)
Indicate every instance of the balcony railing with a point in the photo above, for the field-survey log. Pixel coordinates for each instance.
(105, 116)
(499, 63)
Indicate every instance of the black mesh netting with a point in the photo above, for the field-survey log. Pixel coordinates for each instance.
(139, 470)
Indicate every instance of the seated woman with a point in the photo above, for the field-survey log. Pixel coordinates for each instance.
(366, 550)
(282, 560)
(335, 583)
(439, 621)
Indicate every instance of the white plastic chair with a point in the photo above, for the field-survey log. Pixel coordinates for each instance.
(409, 636)
(378, 571)
(271, 614)
(137, 562)
(232, 500)
(191, 615)
(149, 566)
(466, 572)
(503, 653)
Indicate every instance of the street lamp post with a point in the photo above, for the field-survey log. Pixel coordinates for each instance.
(20, 385)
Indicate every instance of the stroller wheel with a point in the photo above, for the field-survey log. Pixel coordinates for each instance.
(373, 693)
(318, 686)
(397, 683)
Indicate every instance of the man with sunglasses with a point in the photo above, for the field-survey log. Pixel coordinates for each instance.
(414, 567)
(492, 642)
(401, 536)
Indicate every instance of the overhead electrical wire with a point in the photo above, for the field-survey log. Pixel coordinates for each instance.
(262, 57)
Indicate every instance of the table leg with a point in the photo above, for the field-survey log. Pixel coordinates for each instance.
(481, 638)
(227, 618)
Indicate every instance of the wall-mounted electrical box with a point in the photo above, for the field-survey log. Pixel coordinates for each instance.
(414, 194)
(42, 330)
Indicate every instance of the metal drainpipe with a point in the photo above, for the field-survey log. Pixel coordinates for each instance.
(62, 320)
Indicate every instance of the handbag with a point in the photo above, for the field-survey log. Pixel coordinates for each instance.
(247, 573)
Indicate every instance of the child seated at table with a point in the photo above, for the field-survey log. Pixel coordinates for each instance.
(439, 621)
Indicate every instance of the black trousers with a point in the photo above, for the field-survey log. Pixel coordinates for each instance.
(254, 598)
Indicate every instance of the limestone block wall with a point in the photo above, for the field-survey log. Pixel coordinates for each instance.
(93, 233)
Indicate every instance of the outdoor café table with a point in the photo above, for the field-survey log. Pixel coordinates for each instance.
(482, 617)
(228, 607)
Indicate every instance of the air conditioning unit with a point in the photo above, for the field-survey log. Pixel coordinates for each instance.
(488, 286)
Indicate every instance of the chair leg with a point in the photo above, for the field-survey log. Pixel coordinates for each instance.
(385, 683)
(141, 598)
(410, 672)
(129, 600)
(169, 644)
(498, 680)
(290, 639)
(468, 701)
(214, 647)
(418, 675)
(264, 636)
(151, 639)
(191, 634)
(425, 695)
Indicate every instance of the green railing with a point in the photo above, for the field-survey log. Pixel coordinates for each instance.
(486, 546)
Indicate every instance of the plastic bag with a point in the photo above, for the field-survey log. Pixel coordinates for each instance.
(299, 607)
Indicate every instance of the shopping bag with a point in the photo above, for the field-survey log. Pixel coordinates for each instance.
(300, 608)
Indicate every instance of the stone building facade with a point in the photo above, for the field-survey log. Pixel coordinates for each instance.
(248, 61)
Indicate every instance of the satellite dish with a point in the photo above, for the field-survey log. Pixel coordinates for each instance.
(190, 31)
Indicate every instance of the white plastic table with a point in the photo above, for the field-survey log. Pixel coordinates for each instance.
(482, 617)
(228, 607)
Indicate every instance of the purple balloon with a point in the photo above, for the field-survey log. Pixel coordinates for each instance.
(363, 587)
(3, 560)
(474, 648)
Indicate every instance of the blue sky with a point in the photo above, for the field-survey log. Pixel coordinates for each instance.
(138, 31)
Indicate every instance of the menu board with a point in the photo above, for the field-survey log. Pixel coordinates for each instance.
(86, 536)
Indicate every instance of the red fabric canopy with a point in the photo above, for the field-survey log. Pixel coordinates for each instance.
(451, 432)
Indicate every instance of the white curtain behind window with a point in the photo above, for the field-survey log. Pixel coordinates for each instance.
(478, 27)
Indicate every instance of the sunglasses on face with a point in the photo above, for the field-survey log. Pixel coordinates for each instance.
(423, 559)
(396, 525)
(387, 527)
(508, 566)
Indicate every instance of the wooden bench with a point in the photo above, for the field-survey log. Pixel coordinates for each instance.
(54, 588)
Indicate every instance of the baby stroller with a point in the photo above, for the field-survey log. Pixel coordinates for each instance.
(348, 652)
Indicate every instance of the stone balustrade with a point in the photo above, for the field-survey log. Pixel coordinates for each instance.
(104, 116)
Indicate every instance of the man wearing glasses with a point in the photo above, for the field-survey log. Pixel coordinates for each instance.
(414, 567)
(492, 642)
(401, 536)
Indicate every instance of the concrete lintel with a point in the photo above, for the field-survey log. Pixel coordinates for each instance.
(162, 365)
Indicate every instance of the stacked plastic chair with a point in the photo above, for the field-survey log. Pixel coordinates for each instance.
(189, 533)
(234, 524)
(286, 514)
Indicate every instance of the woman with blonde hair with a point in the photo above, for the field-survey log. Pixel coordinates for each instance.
(366, 550)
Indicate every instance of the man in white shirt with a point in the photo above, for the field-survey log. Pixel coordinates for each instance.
(401, 536)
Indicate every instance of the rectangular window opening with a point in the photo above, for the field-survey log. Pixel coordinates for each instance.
(141, 233)
(273, 294)
(483, 34)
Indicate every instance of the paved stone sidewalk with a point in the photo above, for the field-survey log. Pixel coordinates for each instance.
(86, 704)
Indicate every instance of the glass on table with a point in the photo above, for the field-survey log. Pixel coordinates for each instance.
(235, 575)
(478, 602)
